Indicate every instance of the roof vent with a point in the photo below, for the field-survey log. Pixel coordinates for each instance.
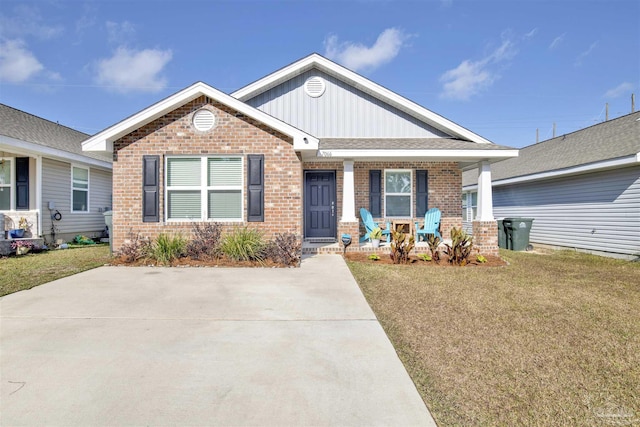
(314, 86)
(204, 120)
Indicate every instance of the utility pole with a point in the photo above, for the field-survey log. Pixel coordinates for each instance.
(633, 102)
(537, 135)
(554, 129)
(606, 114)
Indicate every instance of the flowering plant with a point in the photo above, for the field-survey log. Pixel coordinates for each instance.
(22, 244)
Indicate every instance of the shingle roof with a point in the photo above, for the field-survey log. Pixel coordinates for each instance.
(27, 127)
(404, 144)
(612, 139)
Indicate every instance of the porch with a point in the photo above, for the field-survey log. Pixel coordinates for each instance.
(318, 248)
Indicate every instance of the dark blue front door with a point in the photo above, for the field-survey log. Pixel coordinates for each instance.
(320, 204)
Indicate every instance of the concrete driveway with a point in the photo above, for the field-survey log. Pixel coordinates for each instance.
(201, 346)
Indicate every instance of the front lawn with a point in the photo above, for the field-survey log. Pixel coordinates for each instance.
(551, 339)
(18, 273)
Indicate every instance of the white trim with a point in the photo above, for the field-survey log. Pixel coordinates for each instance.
(32, 150)
(359, 82)
(88, 210)
(384, 193)
(592, 167)
(103, 141)
(441, 155)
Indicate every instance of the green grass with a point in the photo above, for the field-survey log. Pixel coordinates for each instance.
(18, 273)
(551, 339)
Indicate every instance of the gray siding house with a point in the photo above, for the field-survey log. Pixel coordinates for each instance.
(46, 178)
(582, 189)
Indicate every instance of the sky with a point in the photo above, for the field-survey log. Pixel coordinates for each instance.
(502, 69)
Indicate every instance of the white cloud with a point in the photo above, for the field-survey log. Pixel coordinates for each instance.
(531, 33)
(446, 3)
(586, 53)
(134, 70)
(120, 33)
(556, 42)
(17, 63)
(356, 56)
(620, 90)
(27, 21)
(471, 77)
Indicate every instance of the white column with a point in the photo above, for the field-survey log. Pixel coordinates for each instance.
(38, 189)
(485, 196)
(348, 193)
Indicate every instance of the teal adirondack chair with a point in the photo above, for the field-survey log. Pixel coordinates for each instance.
(431, 224)
(370, 224)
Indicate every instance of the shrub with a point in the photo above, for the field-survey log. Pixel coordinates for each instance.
(244, 244)
(460, 248)
(206, 240)
(434, 241)
(285, 249)
(134, 248)
(167, 247)
(425, 257)
(401, 246)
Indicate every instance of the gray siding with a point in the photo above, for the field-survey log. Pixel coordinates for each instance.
(341, 112)
(595, 212)
(56, 187)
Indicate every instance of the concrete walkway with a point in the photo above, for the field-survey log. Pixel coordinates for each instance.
(119, 346)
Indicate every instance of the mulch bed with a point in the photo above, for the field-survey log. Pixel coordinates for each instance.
(492, 261)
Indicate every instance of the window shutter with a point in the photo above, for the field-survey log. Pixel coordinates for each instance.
(375, 193)
(22, 183)
(150, 189)
(422, 192)
(255, 188)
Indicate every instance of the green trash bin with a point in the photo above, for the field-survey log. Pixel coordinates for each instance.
(517, 233)
(502, 235)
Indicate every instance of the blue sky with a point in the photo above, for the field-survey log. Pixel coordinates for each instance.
(500, 68)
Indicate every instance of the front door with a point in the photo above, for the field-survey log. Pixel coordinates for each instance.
(320, 204)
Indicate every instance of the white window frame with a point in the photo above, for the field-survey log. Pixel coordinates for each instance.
(384, 192)
(10, 186)
(203, 188)
(468, 207)
(87, 190)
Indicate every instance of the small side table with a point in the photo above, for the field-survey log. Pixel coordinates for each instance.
(403, 225)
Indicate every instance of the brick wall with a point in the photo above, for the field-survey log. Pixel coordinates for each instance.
(234, 134)
(485, 237)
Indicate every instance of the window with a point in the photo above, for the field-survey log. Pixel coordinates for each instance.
(469, 206)
(79, 189)
(204, 188)
(398, 197)
(5, 184)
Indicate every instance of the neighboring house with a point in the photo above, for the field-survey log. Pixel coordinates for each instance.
(47, 178)
(582, 189)
(298, 151)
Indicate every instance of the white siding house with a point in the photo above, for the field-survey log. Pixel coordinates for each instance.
(46, 178)
(582, 189)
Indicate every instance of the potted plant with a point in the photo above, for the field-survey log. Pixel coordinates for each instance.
(376, 235)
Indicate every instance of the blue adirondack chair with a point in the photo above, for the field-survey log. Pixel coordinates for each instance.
(431, 224)
(370, 224)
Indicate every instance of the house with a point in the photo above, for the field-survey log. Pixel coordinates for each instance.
(582, 189)
(46, 178)
(299, 151)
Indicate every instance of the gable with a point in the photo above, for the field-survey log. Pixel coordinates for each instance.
(342, 111)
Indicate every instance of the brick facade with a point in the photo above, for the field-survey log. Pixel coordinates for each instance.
(485, 237)
(234, 134)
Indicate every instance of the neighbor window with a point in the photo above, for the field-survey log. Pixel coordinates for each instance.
(79, 189)
(204, 188)
(5, 184)
(398, 198)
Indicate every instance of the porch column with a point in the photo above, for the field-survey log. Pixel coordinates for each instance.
(485, 196)
(39, 206)
(348, 193)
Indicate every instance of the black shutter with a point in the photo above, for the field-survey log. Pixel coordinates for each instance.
(375, 193)
(150, 188)
(255, 187)
(422, 192)
(22, 183)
